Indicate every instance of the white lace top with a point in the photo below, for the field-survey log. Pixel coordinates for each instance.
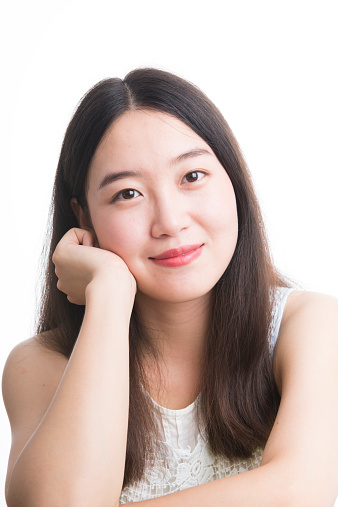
(189, 461)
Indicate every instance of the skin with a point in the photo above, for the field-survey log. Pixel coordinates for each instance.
(175, 202)
(72, 407)
(168, 208)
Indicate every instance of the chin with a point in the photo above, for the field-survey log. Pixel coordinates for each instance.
(183, 294)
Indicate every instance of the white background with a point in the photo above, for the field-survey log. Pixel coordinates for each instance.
(271, 67)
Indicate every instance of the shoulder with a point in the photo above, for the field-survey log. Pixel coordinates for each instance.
(311, 314)
(309, 330)
(31, 361)
(30, 379)
(306, 301)
(30, 367)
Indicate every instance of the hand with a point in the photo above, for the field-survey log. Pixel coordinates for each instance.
(78, 263)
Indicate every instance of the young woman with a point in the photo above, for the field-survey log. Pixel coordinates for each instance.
(156, 375)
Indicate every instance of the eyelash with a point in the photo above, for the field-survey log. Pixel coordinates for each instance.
(119, 198)
(116, 198)
(195, 172)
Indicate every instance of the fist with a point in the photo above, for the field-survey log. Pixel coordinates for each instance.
(78, 263)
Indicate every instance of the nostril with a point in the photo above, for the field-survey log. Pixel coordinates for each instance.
(169, 223)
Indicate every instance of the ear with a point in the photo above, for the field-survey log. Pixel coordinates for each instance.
(82, 215)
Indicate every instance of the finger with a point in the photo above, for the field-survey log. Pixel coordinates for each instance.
(81, 237)
(96, 242)
(59, 286)
(88, 239)
(75, 301)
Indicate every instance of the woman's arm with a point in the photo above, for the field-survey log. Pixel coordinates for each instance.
(76, 455)
(300, 461)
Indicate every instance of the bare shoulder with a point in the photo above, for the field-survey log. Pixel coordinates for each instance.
(30, 379)
(309, 329)
(311, 314)
(31, 366)
(310, 303)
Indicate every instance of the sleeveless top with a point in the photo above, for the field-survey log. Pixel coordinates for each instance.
(188, 460)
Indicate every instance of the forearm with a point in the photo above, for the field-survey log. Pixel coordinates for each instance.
(266, 486)
(77, 454)
(235, 491)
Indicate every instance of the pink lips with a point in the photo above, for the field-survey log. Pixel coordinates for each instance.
(178, 256)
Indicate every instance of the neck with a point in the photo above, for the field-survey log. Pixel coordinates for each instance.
(176, 330)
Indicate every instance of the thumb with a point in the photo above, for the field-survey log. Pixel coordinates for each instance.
(84, 237)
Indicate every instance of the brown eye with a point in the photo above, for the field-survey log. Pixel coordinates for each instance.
(193, 176)
(127, 194)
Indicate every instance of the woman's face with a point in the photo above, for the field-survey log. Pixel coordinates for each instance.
(159, 198)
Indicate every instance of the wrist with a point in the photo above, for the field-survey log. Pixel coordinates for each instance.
(112, 291)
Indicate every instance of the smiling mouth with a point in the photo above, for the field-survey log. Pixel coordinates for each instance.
(178, 256)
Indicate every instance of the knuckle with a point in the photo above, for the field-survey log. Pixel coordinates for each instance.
(60, 287)
(55, 256)
(72, 299)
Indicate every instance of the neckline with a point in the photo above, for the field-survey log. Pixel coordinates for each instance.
(176, 413)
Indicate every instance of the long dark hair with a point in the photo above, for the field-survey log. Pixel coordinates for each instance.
(239, 399)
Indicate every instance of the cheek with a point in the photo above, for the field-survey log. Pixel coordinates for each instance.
(119, 234)
(221, 213)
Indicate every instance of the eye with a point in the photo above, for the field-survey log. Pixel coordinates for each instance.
(193, 176)
(126, 195)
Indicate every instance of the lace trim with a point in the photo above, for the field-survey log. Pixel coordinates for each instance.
(182, 469)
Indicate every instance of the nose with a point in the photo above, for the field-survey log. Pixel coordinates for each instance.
(170, 216)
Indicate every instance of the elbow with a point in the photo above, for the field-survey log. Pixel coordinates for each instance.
(27, 488)
(301, 494)
(306, 500)
(38, 496)
(318, 497)
(48, 502)
(60, 500)
(297, 486)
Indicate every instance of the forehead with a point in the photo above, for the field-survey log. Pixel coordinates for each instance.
(149, 123)
(146, 135)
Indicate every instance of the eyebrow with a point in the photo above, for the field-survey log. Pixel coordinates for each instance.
(197, 152)
(111, 177)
